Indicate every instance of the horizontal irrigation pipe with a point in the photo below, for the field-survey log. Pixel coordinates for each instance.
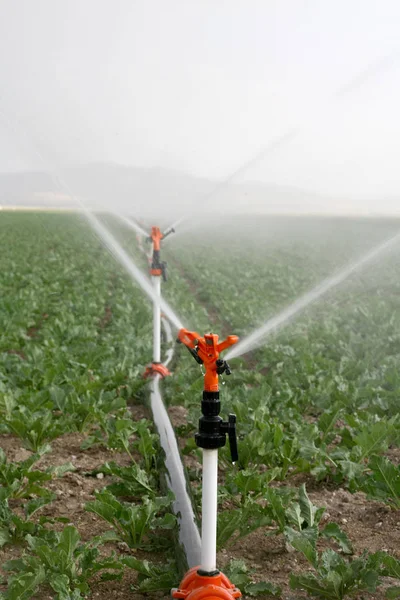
(189, 536)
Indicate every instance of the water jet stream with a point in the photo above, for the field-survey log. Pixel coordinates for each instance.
(126, 261)
(294, 309)
(131, 224)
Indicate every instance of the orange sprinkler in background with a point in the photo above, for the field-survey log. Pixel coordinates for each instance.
(158, 269)
(206, 581)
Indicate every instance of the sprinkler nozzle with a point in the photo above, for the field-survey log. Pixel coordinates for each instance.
(208, 349)
(168, 232)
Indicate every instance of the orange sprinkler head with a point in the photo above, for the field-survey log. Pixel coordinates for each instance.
(156, 237)
(198, 586)
(206, 350)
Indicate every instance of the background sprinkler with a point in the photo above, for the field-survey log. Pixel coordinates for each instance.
(158, 270)
(206, 581)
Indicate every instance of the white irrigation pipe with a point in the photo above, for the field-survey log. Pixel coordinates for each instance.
(209, 508)
(157, 319)
(189, 535)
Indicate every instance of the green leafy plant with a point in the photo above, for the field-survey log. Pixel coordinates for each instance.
(35, 428)
(303, 529)
(13, 528)
(336, 577)
(135, 523)
(383, 481)
(130, 481)
(60, 561)
(238, 571)
(152, 577)
(21, 481)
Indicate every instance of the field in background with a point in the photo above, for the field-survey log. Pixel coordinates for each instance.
(316, 405)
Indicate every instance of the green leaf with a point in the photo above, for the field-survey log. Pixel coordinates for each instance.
(34, 505)
(23, 586)
(304, 542)
(4, 536)
(392, 593)
(384, 482)
(333, 531)
(264, 588)
(310, 513)
(69, 539)
(60, 584)
(392, 565)
(278, 509)
(309, 583)
(293, 515)
(60, 470)
(141, 566)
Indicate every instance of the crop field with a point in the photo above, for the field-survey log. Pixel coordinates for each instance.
(312, 508)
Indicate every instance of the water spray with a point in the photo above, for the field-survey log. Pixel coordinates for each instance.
(158, 270)
(131, 224)
(206, 581)
(297, 307)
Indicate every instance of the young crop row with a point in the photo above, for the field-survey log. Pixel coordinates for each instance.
(75, 339)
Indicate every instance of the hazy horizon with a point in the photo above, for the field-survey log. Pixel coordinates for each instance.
(300, 97)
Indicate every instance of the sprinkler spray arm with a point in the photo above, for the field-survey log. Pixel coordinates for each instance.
(168, 232)
(205, 350)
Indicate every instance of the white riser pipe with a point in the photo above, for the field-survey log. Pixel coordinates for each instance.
(157, 320)
(209, 511)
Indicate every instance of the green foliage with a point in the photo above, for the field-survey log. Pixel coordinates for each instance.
(237, 571)
(320, 398)
(19, 480)
(130, 481)
(135, 524)
(383, 481)
(61, 561)
(337, 577)
(152, 577)
(15, 528)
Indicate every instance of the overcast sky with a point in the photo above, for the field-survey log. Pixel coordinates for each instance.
(203, 86)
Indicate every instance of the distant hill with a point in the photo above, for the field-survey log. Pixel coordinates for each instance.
(162, 192)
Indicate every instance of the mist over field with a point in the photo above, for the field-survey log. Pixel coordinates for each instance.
(153, 108)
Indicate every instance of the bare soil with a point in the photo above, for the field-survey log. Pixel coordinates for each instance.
(370, 526)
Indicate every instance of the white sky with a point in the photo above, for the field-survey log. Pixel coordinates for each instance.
(203, 86)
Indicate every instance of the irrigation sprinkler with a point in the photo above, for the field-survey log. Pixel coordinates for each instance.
(206, 581)
(158, 270)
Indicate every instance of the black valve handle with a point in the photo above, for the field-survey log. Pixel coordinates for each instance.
(232, 438)
(223, 367)
(164, 271)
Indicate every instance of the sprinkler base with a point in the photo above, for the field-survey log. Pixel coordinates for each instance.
(156, 369)
(198, 585)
